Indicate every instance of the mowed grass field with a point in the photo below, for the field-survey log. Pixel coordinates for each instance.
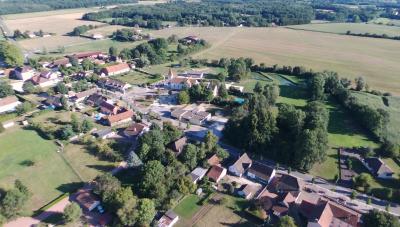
(49, 176)
(342, 28)
(375, 59)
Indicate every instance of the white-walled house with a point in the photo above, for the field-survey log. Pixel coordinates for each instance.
(241, 165)
(378, 168)
(8, 104)
(24, 73)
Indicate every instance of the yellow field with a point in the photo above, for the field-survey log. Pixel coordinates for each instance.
(375, 59)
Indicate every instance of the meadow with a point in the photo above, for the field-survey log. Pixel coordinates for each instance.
(375, 59)
(26, 156)
(35, 161)
(342, 28)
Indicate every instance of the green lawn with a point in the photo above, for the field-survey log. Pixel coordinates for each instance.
(342, 132)
(47, 178)
(188, 206)
(100, 45)
(137, 78)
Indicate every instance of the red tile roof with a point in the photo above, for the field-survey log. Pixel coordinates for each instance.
(215, 172)
(135, 129)
(116, 68)
(8, 100)
(120, 116)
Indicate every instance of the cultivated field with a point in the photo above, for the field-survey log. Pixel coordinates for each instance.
(375, 59)
(342, 28)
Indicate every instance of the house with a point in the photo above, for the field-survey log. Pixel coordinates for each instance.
(60, 62)
(178, 145)
(287, 183)
(197, 174)
(247, 191)
(190, 40)
(114, 85)
(326, 213)
(213, 160)
(53, 102)
(108, 108)
(180, 83)
(261, 172)
(275, 205)
(136, 129)
(377, 167)
(95, 99)
(45, 79)
(168, 219)
(192, 74)
(235, 87)
(241, 165)
(177, 113)
(87, 200)
(195, 116)
(91, 54)
(216, 173)
(119, 118)
(97, 36)
(8, 104)
(104, 134)
(80, 96)
(116, 69)
(24, 73)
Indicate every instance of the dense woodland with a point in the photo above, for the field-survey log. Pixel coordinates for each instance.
(213, 13)
(254, 13)
(26, 6)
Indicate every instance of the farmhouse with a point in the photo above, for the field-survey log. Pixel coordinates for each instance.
(104, 134)
(261, 172)
(24, 72)
(136, 129)
(178, 145)
(45, 79)
(87, 200)
(83, 55)
(247, 191)
(275, 205)
(377, 167)
(8, 104)
(115, 69)
(216, 173)
(241, 165)
(122, 117)
(114, 85)
(194, 116)
(168, 219)
(60, 62)
(95, 99)
(190, 40)
(108, 108)
(287, 183)
(327, 213)
(80, 96)
(192, 74)
(53, 102)
(197, 174)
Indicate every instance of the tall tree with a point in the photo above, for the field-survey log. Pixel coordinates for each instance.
(72, 213)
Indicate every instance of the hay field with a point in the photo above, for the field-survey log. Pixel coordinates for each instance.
(341, 28)
(106, 31)
(375, 59)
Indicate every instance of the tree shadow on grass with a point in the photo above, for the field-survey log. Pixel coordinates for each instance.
(292, 92)
(70, 187)
(102, 168)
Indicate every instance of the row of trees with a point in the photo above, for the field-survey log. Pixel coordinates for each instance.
(213, 13)
(292, 136)
(373, 119)
(82, 29)
(25, 6)
(367, 34)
